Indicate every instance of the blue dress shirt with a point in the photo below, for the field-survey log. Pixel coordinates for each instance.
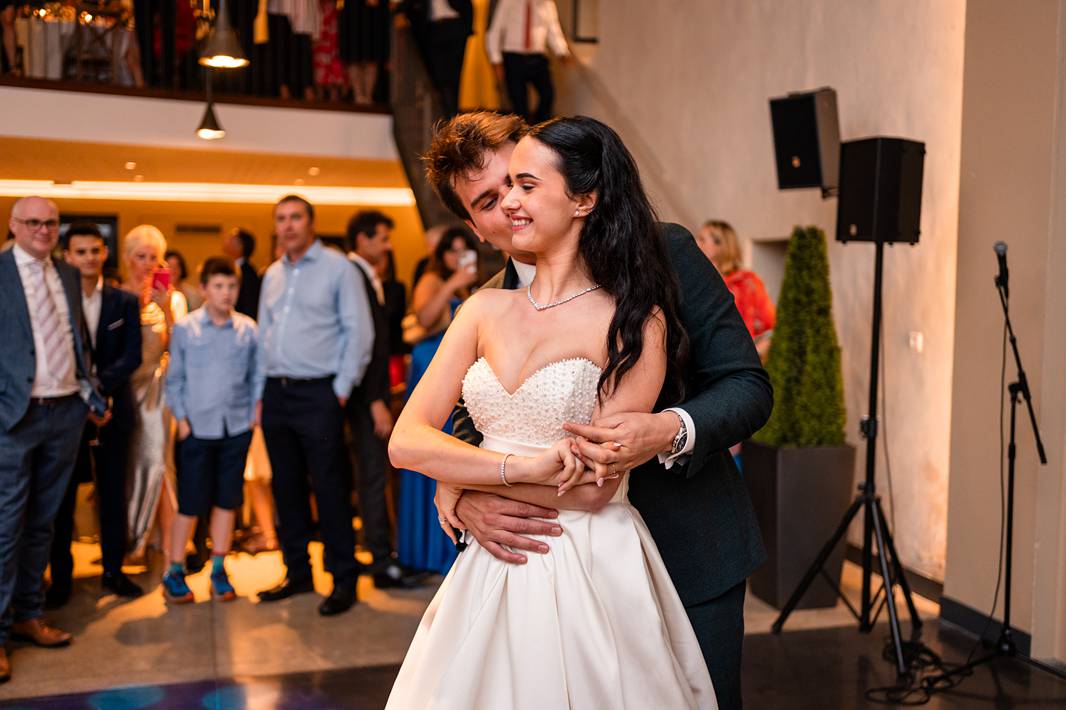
(212, 374)
(315, 320)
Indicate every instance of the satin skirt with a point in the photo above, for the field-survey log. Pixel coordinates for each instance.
(595, 623)
(151, 459)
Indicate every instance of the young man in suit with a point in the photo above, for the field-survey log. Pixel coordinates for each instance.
(113, 323)
(683, 481)
(46, 391)
(369, 417)
(239, 245)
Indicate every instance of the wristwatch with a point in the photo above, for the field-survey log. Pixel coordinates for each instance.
(681, 438)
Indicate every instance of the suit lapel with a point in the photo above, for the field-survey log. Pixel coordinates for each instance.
(107, 314)
(11, 284)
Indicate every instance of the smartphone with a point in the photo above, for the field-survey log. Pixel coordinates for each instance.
(468, 259)
(161, 278)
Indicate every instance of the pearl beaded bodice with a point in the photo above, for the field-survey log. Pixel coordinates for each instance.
(532, 415)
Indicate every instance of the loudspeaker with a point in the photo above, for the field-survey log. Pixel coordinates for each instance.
(880, 190)
(806, 139)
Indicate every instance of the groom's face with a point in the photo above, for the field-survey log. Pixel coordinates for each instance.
(482, 192)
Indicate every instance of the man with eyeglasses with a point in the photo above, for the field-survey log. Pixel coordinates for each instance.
(45, 388)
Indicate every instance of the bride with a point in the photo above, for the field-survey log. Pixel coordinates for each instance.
(595, 623)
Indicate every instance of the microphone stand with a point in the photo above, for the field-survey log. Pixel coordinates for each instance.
(1005, 646)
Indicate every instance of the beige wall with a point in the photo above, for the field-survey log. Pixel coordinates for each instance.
(1013, 155)
(687, 84)
(407, 237)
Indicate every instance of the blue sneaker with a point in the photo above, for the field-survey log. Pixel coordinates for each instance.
(221, 589)
(175, 589)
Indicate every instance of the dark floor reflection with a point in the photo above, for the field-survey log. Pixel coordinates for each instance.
(824, 669)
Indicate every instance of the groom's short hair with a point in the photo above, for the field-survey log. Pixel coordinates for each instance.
(459, 146)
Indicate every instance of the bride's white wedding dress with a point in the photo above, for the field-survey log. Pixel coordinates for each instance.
(593, 624)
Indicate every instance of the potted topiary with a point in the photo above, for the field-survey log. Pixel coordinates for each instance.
(798, 468)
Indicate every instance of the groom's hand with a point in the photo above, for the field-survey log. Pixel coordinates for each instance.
(495, 521)
(621, 442)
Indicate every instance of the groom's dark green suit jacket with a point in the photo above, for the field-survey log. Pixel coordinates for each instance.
(699, 513)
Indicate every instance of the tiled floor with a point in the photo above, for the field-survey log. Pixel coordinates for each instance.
(143, 654)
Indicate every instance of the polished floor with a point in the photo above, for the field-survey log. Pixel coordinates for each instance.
(244, 655)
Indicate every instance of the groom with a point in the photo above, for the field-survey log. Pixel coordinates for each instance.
(684, 482)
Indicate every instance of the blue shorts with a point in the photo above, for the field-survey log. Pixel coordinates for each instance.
(211, 473)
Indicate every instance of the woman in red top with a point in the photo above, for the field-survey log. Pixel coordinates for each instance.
(718, 240)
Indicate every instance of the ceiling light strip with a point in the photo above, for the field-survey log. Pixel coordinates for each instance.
(207, 192)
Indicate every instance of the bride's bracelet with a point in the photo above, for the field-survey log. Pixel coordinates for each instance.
(503, 470)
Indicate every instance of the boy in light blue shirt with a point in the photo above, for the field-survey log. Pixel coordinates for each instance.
(211, 382)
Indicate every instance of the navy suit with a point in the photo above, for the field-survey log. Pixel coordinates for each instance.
(116, 354)
(38, 444)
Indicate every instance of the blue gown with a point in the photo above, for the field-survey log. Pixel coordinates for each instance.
(421, 544)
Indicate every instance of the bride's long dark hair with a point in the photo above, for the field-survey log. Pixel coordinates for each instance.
(621, 245)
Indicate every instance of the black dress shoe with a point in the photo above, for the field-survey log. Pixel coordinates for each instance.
(286, 589)
(120, 584)
(396, 576)
(339, 600)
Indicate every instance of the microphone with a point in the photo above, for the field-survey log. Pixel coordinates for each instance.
(1001, 256)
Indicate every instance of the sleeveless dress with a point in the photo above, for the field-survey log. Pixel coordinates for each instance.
(595, 623)
(150, 468)
(420, 543)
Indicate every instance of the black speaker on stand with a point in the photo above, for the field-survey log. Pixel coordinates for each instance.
(880, 202)
(807, 140)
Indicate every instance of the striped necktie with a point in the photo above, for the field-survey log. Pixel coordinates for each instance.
(54, 333)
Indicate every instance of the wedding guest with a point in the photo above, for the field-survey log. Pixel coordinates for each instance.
(395, 309)
(7, 27)
(329, 74)
(718, 240)
(262, 534)
(316, 337)
(179, 274)
(364, 44)
(43, 370)
(447, 282)
(112, 319)
(369, 415)
(431, 237)
(441, 28)
(150, 470)
(521, 33)
(239, 245)
(210, 383)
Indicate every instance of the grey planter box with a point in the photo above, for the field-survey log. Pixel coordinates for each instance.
(799, 496)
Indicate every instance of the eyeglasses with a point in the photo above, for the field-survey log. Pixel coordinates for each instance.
(34, 224)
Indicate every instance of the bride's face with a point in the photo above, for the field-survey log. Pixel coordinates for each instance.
(538, 205)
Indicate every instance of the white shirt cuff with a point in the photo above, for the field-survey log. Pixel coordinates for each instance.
(681, 457)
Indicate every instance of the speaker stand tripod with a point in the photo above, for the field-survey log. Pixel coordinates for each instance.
(875, 525)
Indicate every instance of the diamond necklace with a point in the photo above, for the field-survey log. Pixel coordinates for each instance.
(561, 301)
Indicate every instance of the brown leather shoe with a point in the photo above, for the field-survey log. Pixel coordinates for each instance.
(5, 667)
(37, 632)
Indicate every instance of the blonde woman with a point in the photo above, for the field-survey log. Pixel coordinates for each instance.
(718, 241)
(150, 478)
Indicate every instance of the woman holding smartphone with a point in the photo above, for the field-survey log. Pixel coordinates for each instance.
(449, 280)
(150, 478)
